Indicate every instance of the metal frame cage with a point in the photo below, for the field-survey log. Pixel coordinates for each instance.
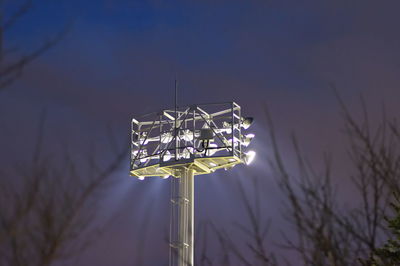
(207, 136)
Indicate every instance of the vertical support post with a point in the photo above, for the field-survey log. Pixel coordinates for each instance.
(233, 129)
(182, 219)
(191, 192)
(176, 122)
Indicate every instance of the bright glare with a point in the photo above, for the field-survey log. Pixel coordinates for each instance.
(248, 139)
(143, 141)
(245, 140)
(213, 164)
(166, 137)
(165, 177)
(143, 154)
(141, 177)
(187, 135)
(167, 156)
(250, 157)
(247, 121)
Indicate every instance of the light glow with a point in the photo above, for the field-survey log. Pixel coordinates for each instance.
(249, 157)
(143, 154)
(167, 156)
(187, 135)
(166, 137)
(247, 121)
(248, 138)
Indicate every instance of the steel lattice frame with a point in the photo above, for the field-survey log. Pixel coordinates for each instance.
(156, 139)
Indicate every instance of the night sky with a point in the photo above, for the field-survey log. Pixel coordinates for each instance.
(120, 58)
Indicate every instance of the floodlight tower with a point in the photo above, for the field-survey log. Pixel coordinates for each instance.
(182, 143)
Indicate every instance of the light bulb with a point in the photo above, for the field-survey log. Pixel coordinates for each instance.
(227, 127)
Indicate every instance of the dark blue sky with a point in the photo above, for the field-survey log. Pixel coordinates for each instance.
(121, 57)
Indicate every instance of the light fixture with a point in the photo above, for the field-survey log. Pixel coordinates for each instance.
(139, 141)
(143, 141)
(247, 139)
(187, 135)
(227, 127)
(229, 142)
(141, 177)
(246, 123)
(249, 157)
(167, 156)
(166, 137)
(143, 153)
(165, 177)
(213, 164)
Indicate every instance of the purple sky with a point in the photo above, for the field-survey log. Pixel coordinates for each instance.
(120, 60)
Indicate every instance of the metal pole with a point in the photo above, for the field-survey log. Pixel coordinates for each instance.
(176, 122)
(182, 220)
(190, 236)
